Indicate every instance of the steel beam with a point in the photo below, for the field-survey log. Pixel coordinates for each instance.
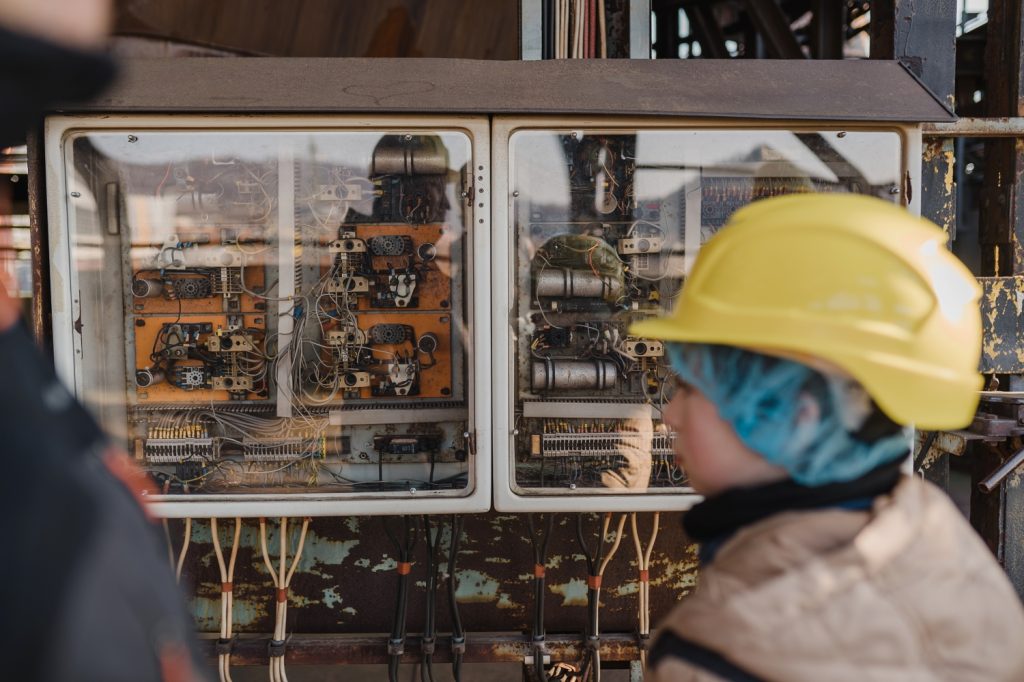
(709, 33)
(829, 29)
(1005, 126)
(773, 26)
(922, 37)
(999, 515)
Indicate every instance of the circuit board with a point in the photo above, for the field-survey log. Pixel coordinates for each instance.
(200, 358)
(294, 316)
(588, 268)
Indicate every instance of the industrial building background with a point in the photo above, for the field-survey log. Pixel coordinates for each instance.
(342, 604)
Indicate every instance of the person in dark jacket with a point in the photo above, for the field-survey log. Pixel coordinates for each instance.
(86, 590)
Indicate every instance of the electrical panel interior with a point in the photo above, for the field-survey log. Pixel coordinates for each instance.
(604, 225)
(277, 312)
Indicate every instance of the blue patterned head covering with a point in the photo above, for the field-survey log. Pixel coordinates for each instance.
(761, 396)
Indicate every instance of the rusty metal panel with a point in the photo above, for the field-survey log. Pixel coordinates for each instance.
(1002, 319)
(490, 647)
(345, 582)
(852, 90)
(42, 328)
(938, 188)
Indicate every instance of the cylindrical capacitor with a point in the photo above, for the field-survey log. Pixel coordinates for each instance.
(147, 288)
(573, 375)
(396, 155)
(576, 284)
(145, 378)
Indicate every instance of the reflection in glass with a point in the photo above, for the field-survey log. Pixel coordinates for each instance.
(606, 225)
(276, 311)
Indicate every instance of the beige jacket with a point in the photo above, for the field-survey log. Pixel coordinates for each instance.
(906, 592)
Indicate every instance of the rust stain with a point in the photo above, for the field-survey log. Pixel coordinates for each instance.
(346, 583)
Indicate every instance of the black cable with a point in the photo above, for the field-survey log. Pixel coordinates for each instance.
(404, 547)
(458, 635)
(429, 626)
(540, 549)
(591, 668)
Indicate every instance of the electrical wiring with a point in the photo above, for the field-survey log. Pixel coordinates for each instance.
(404, 547)
(281, 578)
(596, 561)
(184, 549)
(458, 635)
(539, 542)
(431, 536)
(227, 576)
(643, 564)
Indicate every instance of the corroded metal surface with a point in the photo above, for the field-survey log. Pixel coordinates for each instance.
(42, 328)
(1002, 317)
(496, 647)
(346, 580)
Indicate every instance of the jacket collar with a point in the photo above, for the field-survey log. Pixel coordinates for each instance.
(717, 518)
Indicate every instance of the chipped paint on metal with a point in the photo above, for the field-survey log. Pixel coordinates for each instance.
(573, 592)
(505, 601)
(475, 586)
(345, 582)
(331, 597)
(626, 589)
(1002, 304)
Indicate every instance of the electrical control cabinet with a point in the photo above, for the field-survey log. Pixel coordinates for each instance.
(279, 315)
(597, 223)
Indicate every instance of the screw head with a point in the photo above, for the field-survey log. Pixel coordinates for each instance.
(133, 138)
(894, 190)
(76, 194)
(841, 133)
(412, 491)
(516, 193)
(408, 138)
(572, 486)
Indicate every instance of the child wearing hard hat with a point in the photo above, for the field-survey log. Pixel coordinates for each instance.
(812, 332)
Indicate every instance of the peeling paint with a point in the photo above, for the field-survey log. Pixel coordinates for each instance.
(346, 580)
(573, 593)
(475, 586)
(331, 597)
(505, 601)
(626, 589)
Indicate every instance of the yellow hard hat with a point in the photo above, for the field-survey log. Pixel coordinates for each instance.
(855, 281)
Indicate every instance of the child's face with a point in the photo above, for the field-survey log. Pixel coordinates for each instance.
(708, 449)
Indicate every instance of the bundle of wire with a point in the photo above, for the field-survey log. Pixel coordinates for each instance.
(282, 578)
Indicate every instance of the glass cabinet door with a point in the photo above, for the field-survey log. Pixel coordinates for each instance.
(605, 224)
(276, 312)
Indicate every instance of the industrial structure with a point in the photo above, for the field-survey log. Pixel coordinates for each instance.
(363, 319)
